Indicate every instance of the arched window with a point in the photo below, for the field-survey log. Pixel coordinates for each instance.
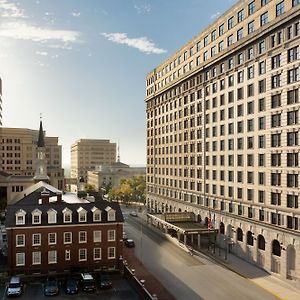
(222, 228)
(291, 256)
(249, 238)
(239, 233)
(276, 250)
(261, 242)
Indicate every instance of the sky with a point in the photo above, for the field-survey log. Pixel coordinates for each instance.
(82, 64)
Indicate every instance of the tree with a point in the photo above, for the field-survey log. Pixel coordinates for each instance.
(89, 187)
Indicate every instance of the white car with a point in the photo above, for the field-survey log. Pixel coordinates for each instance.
(133, 213)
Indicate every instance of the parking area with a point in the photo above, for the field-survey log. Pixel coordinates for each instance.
(120, 290)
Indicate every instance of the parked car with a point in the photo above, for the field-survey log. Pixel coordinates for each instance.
(88, 282)
(105, 281)
(51, 287)
(133, 213)
(14, 287)
(129, 243)
(71, 286)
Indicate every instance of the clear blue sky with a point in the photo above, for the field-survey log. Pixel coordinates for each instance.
(83, 64)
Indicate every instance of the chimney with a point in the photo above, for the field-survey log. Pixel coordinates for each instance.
(45, 195)
(59, 197)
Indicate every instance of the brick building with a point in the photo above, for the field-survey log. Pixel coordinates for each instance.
(50, 231)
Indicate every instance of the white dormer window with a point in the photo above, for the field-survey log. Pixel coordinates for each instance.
(36, 216)
(81, 214)
(67, 213)
(111, 214)
(20, 217)
(52, 216)
(96, 214)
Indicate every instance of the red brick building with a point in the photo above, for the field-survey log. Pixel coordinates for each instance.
(51, 231)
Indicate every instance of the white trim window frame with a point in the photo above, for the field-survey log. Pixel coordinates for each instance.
(52, 257)
(36, 239)
(97, 236)
(36, 258)
(97, 253)
(20, 259)
(82, 237)
(111, 252)
(82, 254)
(20, 240)
(68, 237)
(52, 238)
(111, 235)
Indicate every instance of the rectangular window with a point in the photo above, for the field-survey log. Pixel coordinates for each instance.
(292, 138)
(52, 257)
(20, 240)
(36, 239)
(230, 23)
(229, 40)
(52, 238)
(261, 47)
(292, 96)
(67, 237)
(250, 27)
(293, 75)
(251, 8)
(82, 236)
(280, 8)
(276, 61)
(276, 101)
(292, 180)
(20, 259)
(111, 235)
(240, 16)
(275, 81)
(213, 35)
(239, 34)
(221, 29)
(36, 258)
(293, 54)
(262, 68)
(250, 53)
(82, 255)
(292, 117)
(295, 2)
(97, 236)
(264, 19)
(275, 140)
(111, 252)
(97, 253)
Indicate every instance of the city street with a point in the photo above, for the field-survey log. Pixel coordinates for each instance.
(121, 291)
(186, 276)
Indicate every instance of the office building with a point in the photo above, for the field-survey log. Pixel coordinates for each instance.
(223, 132)
(86, 154)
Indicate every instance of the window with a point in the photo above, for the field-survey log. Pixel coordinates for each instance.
(230, 23)
(293, 75)
(262, 86)
(52, 238)
(261, 141)
(82, 255)
(292, 117)
(97, 253)
(20, 217)
(213, 51)
(275, 100)
(240, 76)
(20, 259)
(292, 180)
(292, 201)
(20, 240)
(261, 47)
(97, 236)
(111, 214)
(240, 16)
(250, 126)
(67, 213)
(292, 96)
(221, 29)
(36, 216)
(275, 81)
(292, 138)
(205, 41)
(250, 53)
(275, 179)
(261, 104)
(36, 258)
(240, 58)
(293, 54)
(275, 140)
(276, 61)
(82, 236)
(111, 252)
(111, 235)
(213, 35)
(36, 239)
(96, 214)
(52, 257)
(81, 214)
(240, 93)
(250, 27)
(51, 216)
(262, 68)
(280, 8)
(261, 123)
(229, 40)
(264, 2)
(292, 159)
(67, 237)
(275, 159)
(264, 19)
(251, 8)
(250, 72)
(239, 34)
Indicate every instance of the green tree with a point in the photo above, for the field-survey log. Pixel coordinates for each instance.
(89, 187)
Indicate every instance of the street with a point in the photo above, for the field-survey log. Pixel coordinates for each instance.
(186, 276)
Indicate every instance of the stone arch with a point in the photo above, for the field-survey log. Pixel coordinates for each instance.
(291, 259)
(249, 238)
(261, 243)
(239, 234)
(179, 209)
(222, 228)
(276, 249)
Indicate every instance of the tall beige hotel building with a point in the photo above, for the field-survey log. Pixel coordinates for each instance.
(223, 132)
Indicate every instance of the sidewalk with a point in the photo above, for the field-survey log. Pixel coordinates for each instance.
(153, 285)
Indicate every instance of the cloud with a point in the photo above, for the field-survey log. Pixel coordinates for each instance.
(142, 43)
(215, 15)
(24, 31)
(42, 53)
(75, 14)
(10, 10)
(142, 8)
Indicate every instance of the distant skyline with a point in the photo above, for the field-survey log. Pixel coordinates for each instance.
(83, 64)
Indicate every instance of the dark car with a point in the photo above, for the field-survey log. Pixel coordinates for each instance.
(88, 282)
(105, 281)
(133, 213)
(71, 286)
(51, 287)
(129, 243)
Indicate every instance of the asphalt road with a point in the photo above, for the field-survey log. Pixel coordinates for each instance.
(185, 276)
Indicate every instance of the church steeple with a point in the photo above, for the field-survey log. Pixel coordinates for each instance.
(41, 165)
(41, 141)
